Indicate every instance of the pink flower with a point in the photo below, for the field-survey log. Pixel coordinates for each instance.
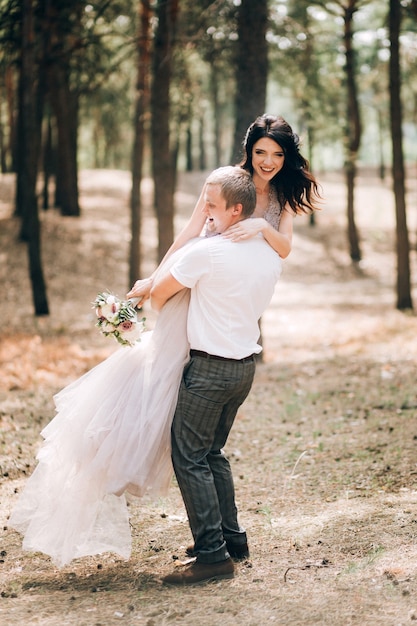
(130, 331)
(125, 326)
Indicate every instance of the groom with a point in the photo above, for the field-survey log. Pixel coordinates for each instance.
(231, 285)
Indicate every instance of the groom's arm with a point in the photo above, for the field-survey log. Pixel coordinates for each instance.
(163, 289)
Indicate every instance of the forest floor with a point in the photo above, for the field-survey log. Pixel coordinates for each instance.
(324, 450)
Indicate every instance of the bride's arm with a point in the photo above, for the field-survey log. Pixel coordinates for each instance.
(192, 229)
(141, 289)
(280, 240)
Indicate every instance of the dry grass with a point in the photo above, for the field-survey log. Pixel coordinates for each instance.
(323, 451)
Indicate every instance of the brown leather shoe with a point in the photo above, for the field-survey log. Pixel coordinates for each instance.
(237, 551)
(199, 573)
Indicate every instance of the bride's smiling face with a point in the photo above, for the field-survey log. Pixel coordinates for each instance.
(267, 159)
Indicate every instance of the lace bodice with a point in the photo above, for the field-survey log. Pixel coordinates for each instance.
(274, 209)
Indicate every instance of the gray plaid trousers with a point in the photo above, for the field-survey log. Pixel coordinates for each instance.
(210, 394)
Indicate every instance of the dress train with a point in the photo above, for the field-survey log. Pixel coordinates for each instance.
(111, 434)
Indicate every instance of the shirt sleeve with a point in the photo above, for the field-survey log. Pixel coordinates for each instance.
(193, 265)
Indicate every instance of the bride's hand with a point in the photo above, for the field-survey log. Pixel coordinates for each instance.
(245, 229)
(140, 291)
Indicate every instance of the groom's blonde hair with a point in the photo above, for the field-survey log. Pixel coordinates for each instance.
(236, 187)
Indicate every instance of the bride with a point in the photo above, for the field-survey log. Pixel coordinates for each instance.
(111, 432)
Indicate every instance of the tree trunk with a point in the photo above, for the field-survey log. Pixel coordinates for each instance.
(63, 24)
(381, 146)
(189, 147)
(310, 141)
(48, 160)
(214, 92)
(10, 95)
(404, 300)
(20, 143)
(31, 91)
(3, 160)
(202, 159)
(142, 107)
(65, 106)
(162, 159)
(251, 68)
(353, 130)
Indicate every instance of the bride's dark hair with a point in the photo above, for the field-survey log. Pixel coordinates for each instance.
(294, 184)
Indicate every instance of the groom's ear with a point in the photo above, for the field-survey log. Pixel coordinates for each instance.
(237, 209)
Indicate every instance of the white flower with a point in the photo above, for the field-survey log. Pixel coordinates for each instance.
(110, 311)
(131, 334)
(107, 327)
(118, 318)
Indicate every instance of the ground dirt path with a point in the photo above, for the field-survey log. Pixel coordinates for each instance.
(324, 451)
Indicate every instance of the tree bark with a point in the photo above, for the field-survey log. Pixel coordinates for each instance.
(353, 130)
(217, 113)
(48, 160)
(202, 160)
(65, 105)
(404, 300)
(10, 95)
(141, 109)
(3, 166)
(189, 147)
(162, 154)
(251, 69)
(63, 24)
(31, 92)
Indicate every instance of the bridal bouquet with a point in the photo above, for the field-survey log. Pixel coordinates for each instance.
(118, 318)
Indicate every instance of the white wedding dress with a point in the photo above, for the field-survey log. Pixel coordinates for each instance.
(111, 434)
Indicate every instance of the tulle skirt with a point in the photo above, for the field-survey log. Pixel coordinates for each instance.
(111, 435)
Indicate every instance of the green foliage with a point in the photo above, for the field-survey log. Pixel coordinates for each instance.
(307, 65)
(10, 18)
(96, 40)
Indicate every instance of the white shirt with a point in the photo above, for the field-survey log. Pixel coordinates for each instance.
(231, 286)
